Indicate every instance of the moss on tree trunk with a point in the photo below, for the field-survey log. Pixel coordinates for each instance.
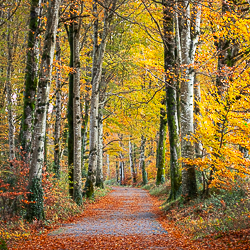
(35, 198)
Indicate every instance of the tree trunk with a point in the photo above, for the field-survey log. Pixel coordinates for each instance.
(46, 144)
(131, 163)
(197, 98)
(77, 177)
(161, 148)
(57, 133)
(98, 54)
(142, 161)
(35, 210)
(31, 77)
(70, 114)
(134, 160)
(117, 171)
(121, 168)
(9, 99)
(93, 130)
(108, 168)
(85, 133)
(99, 173)
(188, 49)
(171, 99)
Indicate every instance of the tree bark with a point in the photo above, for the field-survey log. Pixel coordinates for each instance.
(121, 168)
(117, 171)
(57, 133)
(161, 148)
(85, 121)
(171, 97)
(188, 43)
(31, 77)
(108, 168)
(35, 210)
(98, 55)
(131, 163)
(142, 161)
(77, 177)
(134, 160)
(197, 98)
(99, 173)
(11, 125)
(70, 114)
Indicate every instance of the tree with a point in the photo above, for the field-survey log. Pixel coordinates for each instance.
(189, 36)
(170, 62)
(56, 165)
(70, 115)
(77, 194)
(161, 148)
(10, 51)
(35, 207)
(31, 78)
(131, 162)
(142, 161)
(98, 54)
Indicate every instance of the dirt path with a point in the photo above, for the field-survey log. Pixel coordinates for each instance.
(128, 213)
(127, 218)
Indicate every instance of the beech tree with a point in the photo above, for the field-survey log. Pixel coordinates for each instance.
(31, 78)
(35, 207)
(142, 161)
(189, 36)
(10, 51)
(161, 148)
(58, 108)
(98, 54)
(170, 19)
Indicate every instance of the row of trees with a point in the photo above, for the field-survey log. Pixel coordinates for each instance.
(104, 78)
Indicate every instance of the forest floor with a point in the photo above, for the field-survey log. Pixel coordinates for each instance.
(127, 218)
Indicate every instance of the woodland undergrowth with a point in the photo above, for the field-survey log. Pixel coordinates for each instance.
(58, 206)
(222, 212)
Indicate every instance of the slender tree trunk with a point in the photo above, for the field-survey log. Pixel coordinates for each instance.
(171, 99)
(121, 168)
(134, 160)
(31, 77)
(35, 210)
(77, 185)
(197, 98)
(197, 144)
(85, 133)
(108, 168)
(98, 54)
(188, 48)
(131, 163)
(57, 133)
(142, 161)
(70, 109)
(93, 131)
(46, 145)
(99, 173)
(117, 171)
(9, 99)
(161, 148)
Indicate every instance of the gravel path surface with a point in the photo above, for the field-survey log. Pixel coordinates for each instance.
(132, 216)
(125, 219)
